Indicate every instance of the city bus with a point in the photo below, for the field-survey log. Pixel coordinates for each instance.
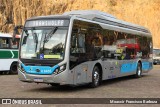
(8, 53)
(82, 47)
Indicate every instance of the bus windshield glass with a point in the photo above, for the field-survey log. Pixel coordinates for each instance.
(48, 43)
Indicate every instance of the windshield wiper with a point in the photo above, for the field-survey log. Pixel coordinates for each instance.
(50, 34)
(35, 40)
(35, 37)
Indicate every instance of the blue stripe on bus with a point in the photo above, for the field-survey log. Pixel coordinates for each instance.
(43, 70)
(146, 65)
(129, 67)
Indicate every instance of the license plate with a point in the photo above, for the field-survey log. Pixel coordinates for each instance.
(38, 79)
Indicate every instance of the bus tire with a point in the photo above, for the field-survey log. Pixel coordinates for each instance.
(95, 77)
(13, 68)
(139, 71)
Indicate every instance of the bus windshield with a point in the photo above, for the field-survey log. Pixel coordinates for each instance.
(43, 43)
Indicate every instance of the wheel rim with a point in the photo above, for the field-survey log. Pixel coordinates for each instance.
(96, 78)
(139, 71)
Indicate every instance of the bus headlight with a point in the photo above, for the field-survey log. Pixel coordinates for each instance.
(60, 69)
(20, 67)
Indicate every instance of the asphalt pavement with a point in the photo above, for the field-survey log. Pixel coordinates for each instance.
(147, 86)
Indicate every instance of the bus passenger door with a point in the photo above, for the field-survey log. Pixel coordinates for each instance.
(80, 73)
(77, 58)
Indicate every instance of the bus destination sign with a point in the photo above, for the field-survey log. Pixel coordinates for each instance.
(39, 23)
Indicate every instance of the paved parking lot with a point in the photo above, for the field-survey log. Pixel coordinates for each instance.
(127, 87)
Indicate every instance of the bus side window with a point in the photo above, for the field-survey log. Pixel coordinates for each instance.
(4, 43)
(15, 44)
(81, 43)
(109, 45)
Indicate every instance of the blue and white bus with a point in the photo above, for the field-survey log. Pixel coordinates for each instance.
(80, 47)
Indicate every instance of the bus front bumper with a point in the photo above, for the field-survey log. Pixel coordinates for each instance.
(48, 79)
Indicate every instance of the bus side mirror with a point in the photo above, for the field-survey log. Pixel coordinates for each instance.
(15, 31)
(24, 40)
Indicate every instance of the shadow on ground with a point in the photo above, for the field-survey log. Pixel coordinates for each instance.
(65, 88)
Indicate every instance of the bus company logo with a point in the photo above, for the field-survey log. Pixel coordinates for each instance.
(37, 70)
(6, 101)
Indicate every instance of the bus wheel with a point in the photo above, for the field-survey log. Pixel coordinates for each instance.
(95, 77)
(139, 71)
(13, 68)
